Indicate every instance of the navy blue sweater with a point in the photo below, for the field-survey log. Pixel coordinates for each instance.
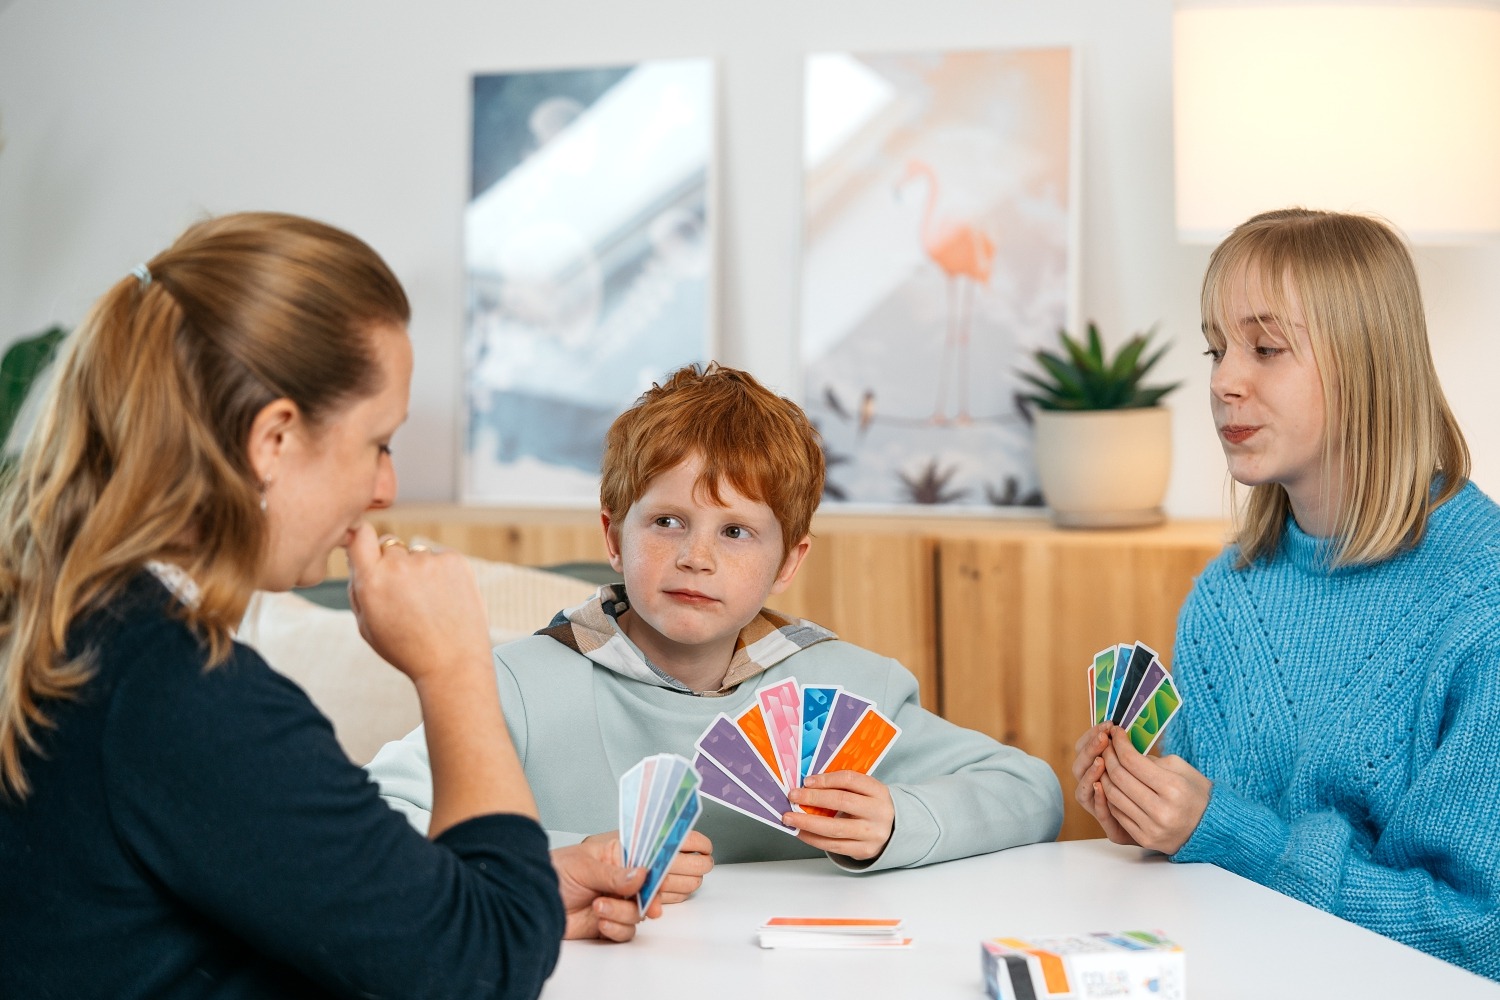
(197, 833)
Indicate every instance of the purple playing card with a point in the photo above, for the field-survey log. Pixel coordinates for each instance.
(719, 786)
(1150, 681)
(730, 750)
(842, 717)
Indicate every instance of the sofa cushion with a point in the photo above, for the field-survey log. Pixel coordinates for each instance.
(368, 701)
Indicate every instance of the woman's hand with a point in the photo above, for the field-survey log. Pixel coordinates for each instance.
(694, 860)
(1088, 772)
(1158, 803)
(420, 610)
(596, 890)
(422, 613)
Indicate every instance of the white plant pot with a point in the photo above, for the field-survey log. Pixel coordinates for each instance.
(1104, 468)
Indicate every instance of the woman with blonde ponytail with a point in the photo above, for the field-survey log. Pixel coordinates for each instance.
(176, 819)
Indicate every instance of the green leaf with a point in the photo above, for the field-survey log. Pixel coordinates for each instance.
(1047, 402)
(23, 362)
(1118, 396)
(1152, 396)
(1124, 366)
(1081, 358)
(1082, 376)
(1050, 388)
(1069, 379)
(1096, 346)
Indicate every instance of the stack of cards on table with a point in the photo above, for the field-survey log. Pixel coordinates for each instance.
(833, 932)
(658, 806)
(1129, 686)
(750, 763)
(1126, 965)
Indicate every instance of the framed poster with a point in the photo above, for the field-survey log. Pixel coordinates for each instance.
(588, 255)
(939, 232)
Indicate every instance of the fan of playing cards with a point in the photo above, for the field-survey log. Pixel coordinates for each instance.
(750, 763)
(658, 806)
(1129, 686)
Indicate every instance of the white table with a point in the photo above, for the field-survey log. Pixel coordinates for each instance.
(1241, 939)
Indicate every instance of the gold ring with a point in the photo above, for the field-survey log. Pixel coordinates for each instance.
(418, 547)
(386, 543)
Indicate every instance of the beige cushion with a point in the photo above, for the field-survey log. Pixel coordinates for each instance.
(369, 701)
(519, 599)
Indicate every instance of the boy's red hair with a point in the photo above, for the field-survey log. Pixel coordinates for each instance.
(761, 442)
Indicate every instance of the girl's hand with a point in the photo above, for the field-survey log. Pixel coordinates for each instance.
(1158, 803)
(1088, 772)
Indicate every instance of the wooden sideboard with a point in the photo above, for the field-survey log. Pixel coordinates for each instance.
(998, 618)
(1021, 614)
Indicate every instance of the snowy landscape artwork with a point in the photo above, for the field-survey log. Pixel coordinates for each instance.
(939, 222)
(588, 253)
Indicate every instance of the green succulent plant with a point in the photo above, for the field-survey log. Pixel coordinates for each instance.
(1084, 378)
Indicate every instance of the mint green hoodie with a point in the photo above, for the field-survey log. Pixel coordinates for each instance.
(584, 706)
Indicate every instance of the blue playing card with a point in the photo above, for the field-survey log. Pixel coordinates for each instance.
(816, 701)
(675, 835)
(659, 804)
(630, 794)
(665, 783)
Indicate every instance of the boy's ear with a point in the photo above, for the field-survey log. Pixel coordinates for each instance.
(791, 564)
(611, 540)
(269, 433)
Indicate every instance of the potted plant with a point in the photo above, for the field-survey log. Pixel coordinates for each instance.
(1103, 439)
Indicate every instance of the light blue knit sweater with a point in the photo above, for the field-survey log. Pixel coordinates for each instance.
(1350, 723)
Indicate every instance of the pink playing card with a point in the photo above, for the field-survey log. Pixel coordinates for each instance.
(781, 705)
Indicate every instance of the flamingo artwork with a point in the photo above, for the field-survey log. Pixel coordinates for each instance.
(966, 255)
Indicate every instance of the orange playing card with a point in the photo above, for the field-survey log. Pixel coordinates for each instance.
(753, 725)
(866, 745)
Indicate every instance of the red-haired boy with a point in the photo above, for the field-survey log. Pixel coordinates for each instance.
(709, 486)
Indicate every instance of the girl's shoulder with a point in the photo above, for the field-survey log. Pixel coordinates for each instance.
(1470, 514)
(1461, 541)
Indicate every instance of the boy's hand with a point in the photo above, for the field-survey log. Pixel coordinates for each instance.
(865, 814)
(695, 859)
(596, 891)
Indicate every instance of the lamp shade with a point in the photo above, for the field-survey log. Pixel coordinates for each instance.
(1388, 109)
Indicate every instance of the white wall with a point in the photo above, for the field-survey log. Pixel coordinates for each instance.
(125, 122)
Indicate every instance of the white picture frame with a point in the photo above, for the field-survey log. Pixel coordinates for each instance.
(589, 255)
(940, 248)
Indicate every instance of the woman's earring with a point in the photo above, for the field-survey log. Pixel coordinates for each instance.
(265, 484)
